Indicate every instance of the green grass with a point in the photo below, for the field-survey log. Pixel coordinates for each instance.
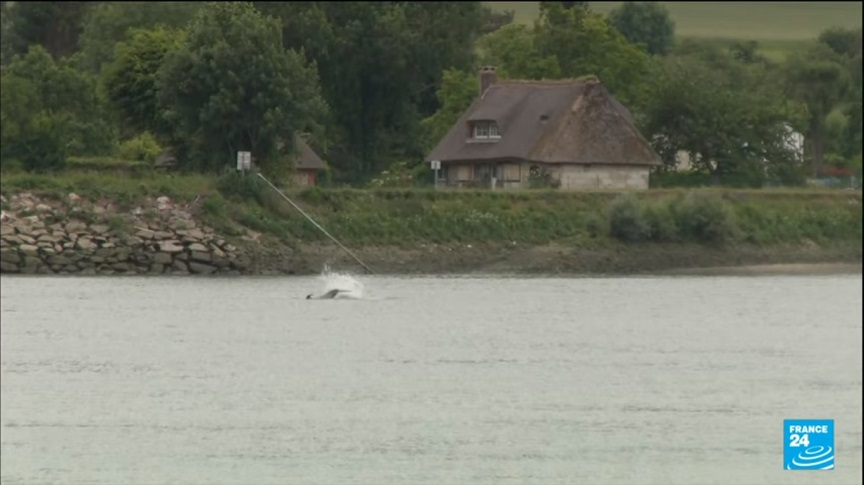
(412, 216)
(779, 27)
(107, 165)
(117, 186)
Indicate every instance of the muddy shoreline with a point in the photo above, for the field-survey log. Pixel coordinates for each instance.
(562, 260)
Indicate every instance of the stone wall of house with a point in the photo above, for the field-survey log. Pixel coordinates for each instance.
(571, 177)
(39, 236)
(574, 177)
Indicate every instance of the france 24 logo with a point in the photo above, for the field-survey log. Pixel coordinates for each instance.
(808, 444)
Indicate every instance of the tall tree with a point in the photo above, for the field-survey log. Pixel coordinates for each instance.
(818, 78)
(731, 118)
(55, 26)
(645, 23)
(511, 49)
(380, 65)
(846, 43)
(584, 43)
(41, 96)
(458, 90)
(232, 87)
(109, 22)
(7, 46)
(130, 78)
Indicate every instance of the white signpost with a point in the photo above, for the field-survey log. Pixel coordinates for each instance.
(436, 166)
(244, 161)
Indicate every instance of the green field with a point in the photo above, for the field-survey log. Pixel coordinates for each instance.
(762, 21)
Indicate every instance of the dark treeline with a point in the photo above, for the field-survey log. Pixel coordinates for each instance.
(372, 86)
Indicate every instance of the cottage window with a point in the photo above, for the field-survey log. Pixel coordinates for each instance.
(485, 130)
(481, 130)
(485, 172)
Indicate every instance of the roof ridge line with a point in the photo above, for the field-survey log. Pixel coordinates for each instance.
(579, 80)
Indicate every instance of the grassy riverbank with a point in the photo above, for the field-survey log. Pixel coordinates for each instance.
(508, 230)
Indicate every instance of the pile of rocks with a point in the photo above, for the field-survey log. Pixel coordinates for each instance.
(60, 241)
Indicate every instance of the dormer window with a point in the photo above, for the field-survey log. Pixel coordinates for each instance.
(484, 130)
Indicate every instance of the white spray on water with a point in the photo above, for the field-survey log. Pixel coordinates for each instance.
(348, 286)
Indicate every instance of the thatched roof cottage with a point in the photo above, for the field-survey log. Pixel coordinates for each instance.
(573, 134)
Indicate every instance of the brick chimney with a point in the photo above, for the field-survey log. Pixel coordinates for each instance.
(488, 77)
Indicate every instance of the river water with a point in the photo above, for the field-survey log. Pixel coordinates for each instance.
(666, 380)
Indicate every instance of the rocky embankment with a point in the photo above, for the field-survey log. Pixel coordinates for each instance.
(74, 236)
(65, 234)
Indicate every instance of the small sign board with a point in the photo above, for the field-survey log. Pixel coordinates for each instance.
(244, 161)
(435, 164)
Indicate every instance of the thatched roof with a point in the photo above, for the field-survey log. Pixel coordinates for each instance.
(574, 121)
(306, 159)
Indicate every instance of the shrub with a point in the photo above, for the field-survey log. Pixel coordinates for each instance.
(539, 178)
(680, 179)
(11, 165)
(660, 222)
(703, 218)
(242, 187)
(312, 194)
(324, 178)
(398, 175)
(596, 225)
(143, 147)
(626, 221)
(44, 147)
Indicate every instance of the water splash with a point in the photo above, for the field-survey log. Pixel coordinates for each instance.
(331, 280)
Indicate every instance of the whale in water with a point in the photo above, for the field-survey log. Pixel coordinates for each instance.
(326, 296)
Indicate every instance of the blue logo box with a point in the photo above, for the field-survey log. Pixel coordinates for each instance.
(808, 444)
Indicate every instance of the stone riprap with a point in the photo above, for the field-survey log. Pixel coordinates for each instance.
(75, 236)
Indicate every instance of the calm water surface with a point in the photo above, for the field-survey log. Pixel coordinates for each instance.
(675, 380)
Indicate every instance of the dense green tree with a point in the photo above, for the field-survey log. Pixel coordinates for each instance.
(18, 103)
(645, 23)
(445, 34)
(511, 49)
(380, 65)
(565, 43)
(458, 90)
(818, 78)
(7, 46)
(44, 145)
(232, 86)
(108, 23)
(57, 94)
(846, 43)
(585, 44)
(56, 26)
(731, 118)
(130, 78)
